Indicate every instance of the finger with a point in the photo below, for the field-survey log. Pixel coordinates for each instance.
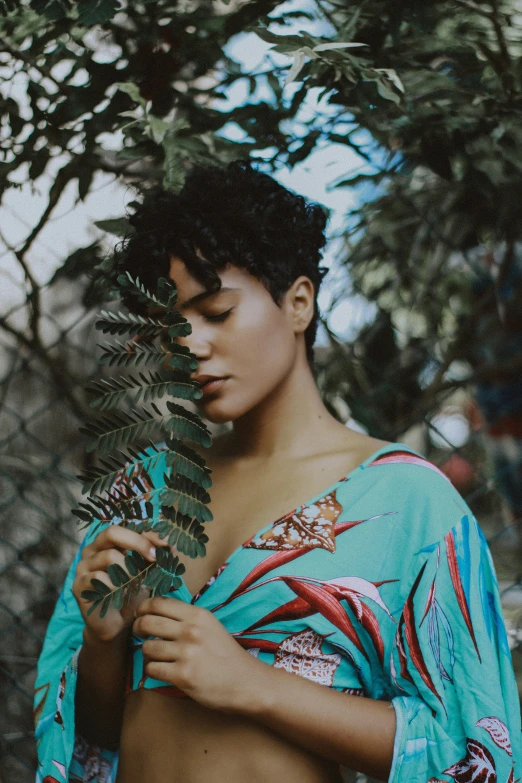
(106, 557)
(161, 670)
(154, 538)
(169, 607)
(118, 537)
(160, 650)
(152, 625)
(84, 582)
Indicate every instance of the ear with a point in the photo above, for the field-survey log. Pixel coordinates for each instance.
(300, 302)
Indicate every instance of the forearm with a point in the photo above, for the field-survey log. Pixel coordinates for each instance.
(100, 690)
(351, 730)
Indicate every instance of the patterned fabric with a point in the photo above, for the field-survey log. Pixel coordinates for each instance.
(381, 586)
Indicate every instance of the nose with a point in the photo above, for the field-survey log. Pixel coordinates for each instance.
(197, 342)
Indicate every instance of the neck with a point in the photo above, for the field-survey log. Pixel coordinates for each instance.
(291, 422)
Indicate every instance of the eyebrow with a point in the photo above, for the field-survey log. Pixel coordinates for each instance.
(204, 295)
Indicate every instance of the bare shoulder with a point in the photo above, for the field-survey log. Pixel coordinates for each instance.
(360, 446)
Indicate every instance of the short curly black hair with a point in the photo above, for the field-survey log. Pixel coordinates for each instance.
(233, 214)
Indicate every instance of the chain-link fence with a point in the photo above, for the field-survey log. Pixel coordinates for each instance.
(41, 452)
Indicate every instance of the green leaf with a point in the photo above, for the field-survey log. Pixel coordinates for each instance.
(92, 12)
(117, 575)
(132, 90)
(386, 92)
(90, 595)
(181, 541)
(337, 45)
(100, 587)
(131, 564)
(106, 603)
(51, 9)
(119, 227)
(93, 607)
(153, 577)
(117, 600)
(164, 584)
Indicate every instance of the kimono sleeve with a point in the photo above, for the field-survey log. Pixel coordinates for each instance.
(63, 755)
(457, 708)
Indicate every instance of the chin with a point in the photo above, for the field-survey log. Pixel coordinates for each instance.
(223, 410)
(216, 411)
(214, 415)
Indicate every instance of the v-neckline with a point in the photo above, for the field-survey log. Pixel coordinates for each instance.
(213, 578)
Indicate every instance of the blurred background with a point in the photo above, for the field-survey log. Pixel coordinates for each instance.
(403, 119)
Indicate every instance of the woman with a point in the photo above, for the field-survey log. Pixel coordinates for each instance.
(374, 584)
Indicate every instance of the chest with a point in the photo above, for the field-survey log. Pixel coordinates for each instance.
(242, 504)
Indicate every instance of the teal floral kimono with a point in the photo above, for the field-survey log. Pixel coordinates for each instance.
(382, 586)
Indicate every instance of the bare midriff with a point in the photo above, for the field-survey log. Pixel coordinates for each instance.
(169, 740)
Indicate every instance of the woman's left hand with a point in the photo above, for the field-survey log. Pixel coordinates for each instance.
(194, 652)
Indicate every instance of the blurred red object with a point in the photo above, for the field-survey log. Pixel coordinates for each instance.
(459, 471)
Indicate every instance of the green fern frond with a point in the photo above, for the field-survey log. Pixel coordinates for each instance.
(188, 496)
(181, 528)
(117, 430)
(122, 427)
(182, 459)
(162, 577)
(132, 353)
(186, 424)
(113, 391)
(153, 387)
(176, 325)
(104, 509)
(167, 293)
(180, 358)
(100, 479)
(128, 323)
(120, 487)
(142, 294)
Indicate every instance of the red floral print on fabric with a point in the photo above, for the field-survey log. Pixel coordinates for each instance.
(312, 526)
(498, 732)
(453, 565)
(324, 597)
(478, 765)
(301, 654)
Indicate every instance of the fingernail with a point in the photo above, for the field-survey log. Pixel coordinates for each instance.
(152, 552)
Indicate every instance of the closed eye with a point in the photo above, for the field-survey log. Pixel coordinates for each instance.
(219, 317)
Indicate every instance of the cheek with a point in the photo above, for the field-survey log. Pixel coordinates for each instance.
(258, 349)
(261, 349)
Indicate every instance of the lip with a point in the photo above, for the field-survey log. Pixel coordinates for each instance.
(212, 385)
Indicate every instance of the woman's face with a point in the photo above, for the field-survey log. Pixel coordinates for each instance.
(240, 334)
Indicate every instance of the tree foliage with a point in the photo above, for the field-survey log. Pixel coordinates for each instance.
(428, 95)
